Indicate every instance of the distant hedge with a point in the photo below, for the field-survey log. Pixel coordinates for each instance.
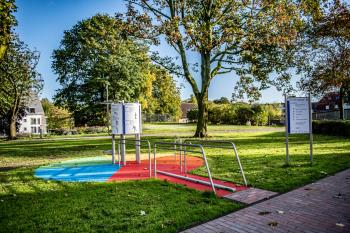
(339, 128)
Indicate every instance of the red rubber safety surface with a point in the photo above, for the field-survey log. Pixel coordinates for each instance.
(134, 171)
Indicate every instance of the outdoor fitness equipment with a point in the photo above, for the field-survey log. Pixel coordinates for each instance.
(224, 145)
(182, 147)
(122, 144)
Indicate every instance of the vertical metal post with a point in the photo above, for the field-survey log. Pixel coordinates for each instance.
(175, 148)
(180, 156)
(119, 153)
(208, 170)
(122, 142)
(240, 165)
(185, 163)
(310, 129)
(155, 160)
(149, 159)
(113, 149)
(286, 125)
(138, 148)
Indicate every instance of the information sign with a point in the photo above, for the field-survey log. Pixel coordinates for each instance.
(126, 118)
(298, 115)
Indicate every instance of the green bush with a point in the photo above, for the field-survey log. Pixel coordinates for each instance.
(339, 128)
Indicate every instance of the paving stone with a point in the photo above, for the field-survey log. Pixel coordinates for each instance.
(250, 196)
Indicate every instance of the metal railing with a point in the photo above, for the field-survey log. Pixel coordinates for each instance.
(182, 147)
(124, 141)
(231, 145)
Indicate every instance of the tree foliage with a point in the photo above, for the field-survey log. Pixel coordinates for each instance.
(57, 117)
(19, 80)
(7, 20)
(251, 38)
(328, 67)
(94, 55)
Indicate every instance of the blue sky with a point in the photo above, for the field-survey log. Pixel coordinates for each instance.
(41, 24)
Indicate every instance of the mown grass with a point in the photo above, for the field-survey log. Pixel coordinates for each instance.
(28, 204)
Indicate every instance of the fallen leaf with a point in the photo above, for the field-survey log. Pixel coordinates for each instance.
(338, 224)
(142, 213)
(273, 224)
(264, 213)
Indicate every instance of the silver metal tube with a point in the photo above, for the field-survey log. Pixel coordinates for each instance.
(197, 181)
(181, 158)
(185, 162)
(149, 159)
(155, 160)
(113, 149)
(119, 153)
(208, 170)
(310, 129)
(239, 164)
(286, 126)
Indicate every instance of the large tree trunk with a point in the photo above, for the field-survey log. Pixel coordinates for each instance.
(12, 130)
(202, 97)
(341, 103)
(202, 121)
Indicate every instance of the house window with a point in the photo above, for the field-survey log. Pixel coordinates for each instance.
(327, 107)
(24, 120)
(33, 121)
(31, 110)
(336, 106)
(33, 129)
(38, 121)
(24, 129)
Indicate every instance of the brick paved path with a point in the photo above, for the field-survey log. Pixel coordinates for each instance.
(323, 206)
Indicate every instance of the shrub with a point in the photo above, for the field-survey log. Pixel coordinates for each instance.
(338, 128)
(192, 115)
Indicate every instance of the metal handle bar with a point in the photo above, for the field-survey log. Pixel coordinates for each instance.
(228, 142)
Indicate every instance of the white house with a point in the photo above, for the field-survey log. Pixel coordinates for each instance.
(34, 120)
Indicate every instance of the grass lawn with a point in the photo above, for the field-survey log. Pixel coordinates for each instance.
(28, 204)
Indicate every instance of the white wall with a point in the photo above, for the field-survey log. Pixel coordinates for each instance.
(26, 125)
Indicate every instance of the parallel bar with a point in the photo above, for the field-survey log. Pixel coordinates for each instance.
(197, 181)
(227, 142)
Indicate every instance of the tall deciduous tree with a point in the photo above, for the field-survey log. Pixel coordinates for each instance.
(7, 20)
(329, 61)
(96, 54)
(19, 79)
(57, 117)
(252, 38)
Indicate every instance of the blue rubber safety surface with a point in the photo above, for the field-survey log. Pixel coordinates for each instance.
(78, 173)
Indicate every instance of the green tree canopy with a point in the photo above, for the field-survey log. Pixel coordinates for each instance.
(19, 80)
(57, 117)
(96, 54)
(7, 20)
(251, 38)
(328, 66)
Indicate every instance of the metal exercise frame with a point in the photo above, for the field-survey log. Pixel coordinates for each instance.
(180, 146)
(205, 143)
(122, 141)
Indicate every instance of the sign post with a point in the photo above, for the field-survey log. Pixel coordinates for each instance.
(126, 119)
(298, 120)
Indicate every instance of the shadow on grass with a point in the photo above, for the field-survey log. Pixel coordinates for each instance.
(32, 205)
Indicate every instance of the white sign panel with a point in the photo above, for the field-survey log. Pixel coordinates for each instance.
(132, 118)
(298, 115)
(126, 118)
(117, 118)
